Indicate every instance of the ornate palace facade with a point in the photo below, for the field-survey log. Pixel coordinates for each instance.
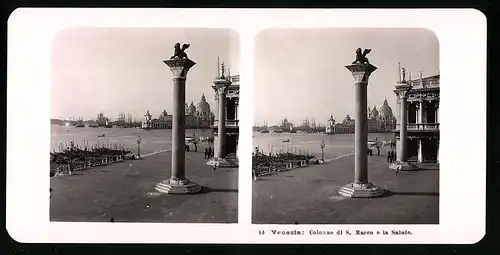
(423, 120)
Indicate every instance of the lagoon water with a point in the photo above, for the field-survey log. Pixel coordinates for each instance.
(160, 139)
(151, 140)
(335, 145)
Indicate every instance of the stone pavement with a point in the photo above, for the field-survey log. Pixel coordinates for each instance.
(125, 191)
(309, 195)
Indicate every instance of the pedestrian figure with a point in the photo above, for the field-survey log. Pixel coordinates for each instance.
(215, 166)
(206, 152)
(398, 169)
(195, 147)
(212, 154)
(112, 219)
(187, 147)
(394, 157)
(389, 157)
(378, 151)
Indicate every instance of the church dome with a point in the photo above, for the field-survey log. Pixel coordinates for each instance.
(203, 106)
(386, 111)
(374, 113)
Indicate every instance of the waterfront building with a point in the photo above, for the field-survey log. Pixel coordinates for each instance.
(423, 120)
(286, 125)
(330, 126)
(378, 121)
(147, 121)
(200, 117)
(101, 120)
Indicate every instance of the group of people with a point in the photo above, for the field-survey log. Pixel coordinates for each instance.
(209, 152)
(391, 156)
(370, 151)
(188, 148)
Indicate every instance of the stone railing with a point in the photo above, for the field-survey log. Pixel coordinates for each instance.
(420, 126)
(229, 123)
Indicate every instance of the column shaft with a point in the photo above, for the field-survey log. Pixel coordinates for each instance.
(403, 133)
(420, 151)
(422, 112)
(361, 134)
(222, 126)
(178, 129)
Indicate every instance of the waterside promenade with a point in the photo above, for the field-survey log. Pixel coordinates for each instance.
(310, 195)
(126, 192)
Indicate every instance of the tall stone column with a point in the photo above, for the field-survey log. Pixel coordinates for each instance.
(221, 129)
(361, 188)
(221, 84)
(178, 183)
(402, 89)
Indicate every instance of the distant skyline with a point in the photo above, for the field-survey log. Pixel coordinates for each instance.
(301, 73)
(121, 70)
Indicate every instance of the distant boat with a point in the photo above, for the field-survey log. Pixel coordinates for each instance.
(93, 125)
(278, 131)
(103, 135)
(286, 141)
(264, 131)
(292, 130)
(79, 125)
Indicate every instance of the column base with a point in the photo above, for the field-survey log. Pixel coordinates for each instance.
(222, 162)
(176, 186)
(361, 190)
(403, 166)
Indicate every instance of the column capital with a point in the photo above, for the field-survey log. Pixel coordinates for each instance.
(361, 72)
(179, 67)
(402, 90)
(220, 85)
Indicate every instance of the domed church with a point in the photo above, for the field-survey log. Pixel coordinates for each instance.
(202, 113)
(385, 119)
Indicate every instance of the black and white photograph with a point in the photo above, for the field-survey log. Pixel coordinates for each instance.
(136, 130)
(346, 126)
(343, 134)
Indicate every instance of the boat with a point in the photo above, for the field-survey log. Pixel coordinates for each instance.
(278, 131)
(79, 125)
(286, 141)
(264, 131)
(292, 130)
(102, 135)
(93, 125)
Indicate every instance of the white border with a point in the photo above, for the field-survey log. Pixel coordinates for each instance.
(462, 37)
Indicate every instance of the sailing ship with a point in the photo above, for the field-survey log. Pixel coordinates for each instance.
(292, 130)
(264, 128)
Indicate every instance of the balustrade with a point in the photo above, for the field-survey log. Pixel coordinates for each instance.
(420, 126)
(229, 123)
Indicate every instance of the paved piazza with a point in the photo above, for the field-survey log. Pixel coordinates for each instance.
(310, 195)
(127, 193)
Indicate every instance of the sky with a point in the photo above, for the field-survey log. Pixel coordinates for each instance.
(113, 70)
(300, 73)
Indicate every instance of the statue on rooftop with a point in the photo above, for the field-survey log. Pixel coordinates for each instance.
(179, 52)
(361, 57)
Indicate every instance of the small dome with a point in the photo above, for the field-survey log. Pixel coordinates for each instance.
(191, 109)
(203, 106)
(374, 113)
(386, 111)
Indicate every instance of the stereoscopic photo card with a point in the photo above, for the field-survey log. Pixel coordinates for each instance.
(336, 137)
